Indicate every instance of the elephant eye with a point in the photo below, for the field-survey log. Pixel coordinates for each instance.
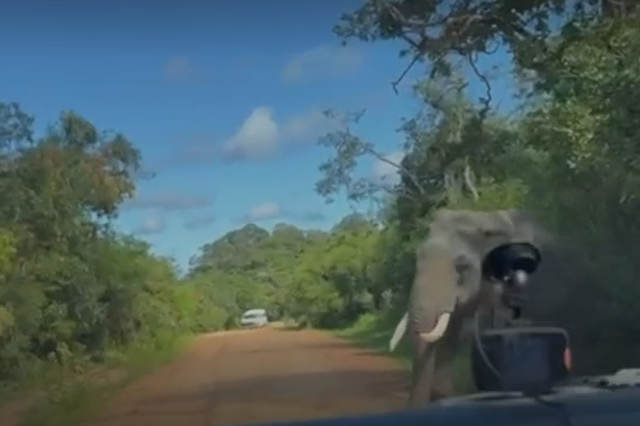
(493, 233)
(467, 272)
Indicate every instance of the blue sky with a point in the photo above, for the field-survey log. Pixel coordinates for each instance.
(222, 97)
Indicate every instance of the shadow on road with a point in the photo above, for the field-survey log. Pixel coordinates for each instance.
(292, 347)
(331, 392)
(331, 384)
(259, 376)
(295, 345)
(289, 327)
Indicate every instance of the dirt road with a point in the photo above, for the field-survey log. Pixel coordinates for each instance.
(257, 376)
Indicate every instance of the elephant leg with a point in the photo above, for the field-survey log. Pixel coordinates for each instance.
(443, 371)
(442, 380)
(421, 372)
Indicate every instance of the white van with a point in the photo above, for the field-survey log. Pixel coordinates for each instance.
(254, 318)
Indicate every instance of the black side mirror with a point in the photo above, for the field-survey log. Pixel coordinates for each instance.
(526, 359)
(504, 260)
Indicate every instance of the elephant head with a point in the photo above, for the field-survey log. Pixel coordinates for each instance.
(449, 289)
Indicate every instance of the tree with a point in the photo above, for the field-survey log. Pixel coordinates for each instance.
(72, 288)
(567, 152)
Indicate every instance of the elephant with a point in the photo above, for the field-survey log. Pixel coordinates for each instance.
(449, 290)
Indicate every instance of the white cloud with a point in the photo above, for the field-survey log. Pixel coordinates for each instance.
(266, 210)
(321, 61)
(177, 67)
(312, 216)
(260, 135)
(271, 210)
(256, 137)
(199, 222)
(151, 224)
(385, 171)
(309, 124)
(169, 201)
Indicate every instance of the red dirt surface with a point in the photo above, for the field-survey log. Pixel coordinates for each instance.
(241, 377)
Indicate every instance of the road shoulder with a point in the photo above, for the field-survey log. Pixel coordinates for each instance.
(67, 396)
(374, 331)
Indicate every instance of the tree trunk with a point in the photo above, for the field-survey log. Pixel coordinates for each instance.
(618, 8)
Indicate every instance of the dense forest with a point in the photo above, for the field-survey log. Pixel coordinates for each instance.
(73, 289)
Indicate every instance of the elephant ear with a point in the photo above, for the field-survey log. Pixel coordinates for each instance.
(467, 235)
(460, 223)
(528, 229)
(472, 234)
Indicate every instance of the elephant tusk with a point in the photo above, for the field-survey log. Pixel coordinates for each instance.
(439, 330)
(399, 332)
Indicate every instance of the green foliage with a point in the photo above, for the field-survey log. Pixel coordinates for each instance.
(73, 291)
(372, 332)
(314, 276)
(568, 152)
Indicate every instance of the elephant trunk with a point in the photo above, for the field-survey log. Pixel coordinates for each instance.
(434, 294)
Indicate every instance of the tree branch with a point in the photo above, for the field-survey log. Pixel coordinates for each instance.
(468, 180)
(400, 167)
(486, 102)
